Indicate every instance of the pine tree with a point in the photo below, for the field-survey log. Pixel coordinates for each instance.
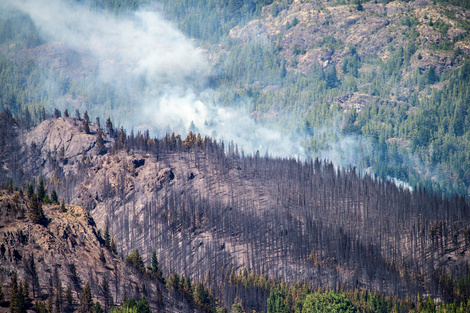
(109, 126)
(31, 271)
(155, 267)
(113, 246)
(68, 300)
(14, 294)
(86, 117)
(35, 212)
(30, 190)
(97, 307)
(62, 206)
(41, 190)
(100, 147)
(58, 298)
(86, 302)
(192, 128)
(107, 238)
(66, 113)
(21, 299)
(25, 292)
(50, 302)
(54, 197)
(86, 126)
(135, 260)
(106, 293)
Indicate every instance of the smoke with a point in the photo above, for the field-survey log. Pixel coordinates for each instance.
(162, 70)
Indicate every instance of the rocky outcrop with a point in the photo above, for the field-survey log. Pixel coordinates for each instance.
(371, 31)
(71, 240)
(64, 134)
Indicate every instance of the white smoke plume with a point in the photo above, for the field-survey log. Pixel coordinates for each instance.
(146, 50)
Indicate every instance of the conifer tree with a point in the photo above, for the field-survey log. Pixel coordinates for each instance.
(106, 293)
(109, 126)
(31, 271)
(35, 212)
(50, 302)
(107, 241)
(86, 302)
(68, 300)
(155, 267)
(54, 197)
(86, 126)
(58, 299)
(113, 246)
(20, 298)
(41, 190)
(97, 307)
(135, 260)
(30, 190)
(86, 117)
(25, 292)
(14, 294)
(100, 147)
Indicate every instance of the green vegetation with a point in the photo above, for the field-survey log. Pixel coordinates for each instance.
(412, 124)
(417, 132)
(133, 306)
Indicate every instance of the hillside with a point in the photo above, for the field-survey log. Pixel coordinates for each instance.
(381, 86)
(273, 155)
(68, 250)
(207, 211)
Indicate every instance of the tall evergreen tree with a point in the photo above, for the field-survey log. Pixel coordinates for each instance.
(41, 190)
(86, 126)
(100, 147)
(31, 271)
(107, 237)
(58, 298)
(54, 197)
(106, 294)
(50, 298)
(35, 212)
(68, 300)
(86, 302)
(15, 306)
(155, 267)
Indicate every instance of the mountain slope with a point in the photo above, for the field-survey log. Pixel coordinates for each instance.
(69, 248)
(382, 86)
(206, 211)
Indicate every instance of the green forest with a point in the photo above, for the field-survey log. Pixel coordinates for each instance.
(419, 136)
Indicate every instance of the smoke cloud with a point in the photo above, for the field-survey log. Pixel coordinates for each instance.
(145, 52)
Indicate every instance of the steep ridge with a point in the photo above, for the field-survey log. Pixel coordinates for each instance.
(205, 210)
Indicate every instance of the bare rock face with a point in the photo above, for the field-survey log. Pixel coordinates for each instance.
(63, 133)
